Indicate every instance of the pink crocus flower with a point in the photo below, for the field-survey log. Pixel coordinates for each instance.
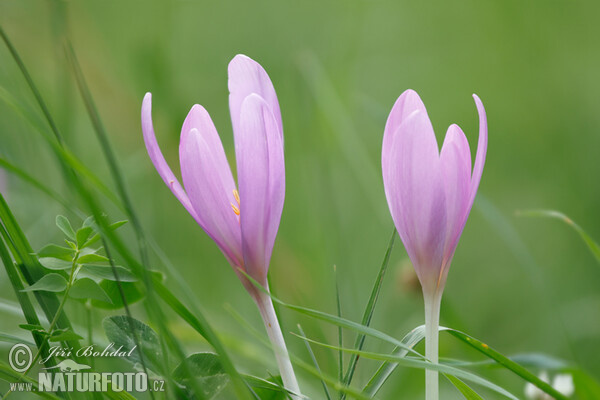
(243, 223)
(430, 194)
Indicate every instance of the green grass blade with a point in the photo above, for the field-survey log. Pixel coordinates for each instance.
(385, 370)
(421, 364)
(370, 309)
(314, 360)
(506, 363)
(465, 389)
(340, 330)
(587, 239)
(9, 375)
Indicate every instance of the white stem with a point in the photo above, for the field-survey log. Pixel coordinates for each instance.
(267, 312)
(432, 324)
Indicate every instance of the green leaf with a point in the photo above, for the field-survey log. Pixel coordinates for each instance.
(123, 331)
(591, 244)
(55, 263)
(506, 362)
(91, 258)
(65, 226)
(48, 283)
(107, 272)
(369, 310)
(271, 389)
(82, 235)
(96, 237)
(469, 393)
(89, 222)
(54, 251)
(206, 369)
(315, 362)
(32, 327)
(63, 335)
(86, 288)
(133, 292)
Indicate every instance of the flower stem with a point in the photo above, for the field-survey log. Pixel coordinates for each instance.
(267, 312)
(432, 323)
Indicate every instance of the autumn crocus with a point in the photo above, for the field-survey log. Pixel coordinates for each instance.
(430, 194)
(243, 220)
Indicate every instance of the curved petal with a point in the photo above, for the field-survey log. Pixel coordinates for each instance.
(246, 76)
(209, 183)
(261, 178)
(481, 149)
(415, 193)
(405, 105)
(455, 160)
(158, 159)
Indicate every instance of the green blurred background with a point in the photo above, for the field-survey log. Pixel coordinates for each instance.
(520, 284)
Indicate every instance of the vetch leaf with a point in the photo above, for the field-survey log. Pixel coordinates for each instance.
(96, 237)
(55, 263)
(65, 226)
(86, 288)
(107, 272)
(54, 251)
(48, 283)
(133, 292)
(82, 235)
(63, 335)
(206, 369)
(91, 258)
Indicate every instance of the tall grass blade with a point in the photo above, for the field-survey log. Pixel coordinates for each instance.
(370, 309)
(587, 239)
(315, 362)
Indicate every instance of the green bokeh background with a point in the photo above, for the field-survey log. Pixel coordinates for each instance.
(520, 284)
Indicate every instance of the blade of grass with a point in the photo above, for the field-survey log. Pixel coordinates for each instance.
(465, 389)
(370, 309)
(340, 330)
(314, 360)
(415, 363)
(587, 239)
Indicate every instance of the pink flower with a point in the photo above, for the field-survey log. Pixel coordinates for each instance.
(244, 222)
(430, 194)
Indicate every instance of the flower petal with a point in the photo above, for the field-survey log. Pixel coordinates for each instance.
(415, 193)
(481, 149)
(405, 105)
(261, 178)
(455, 160)
(209, 183)
(158, 159)
(246, 76)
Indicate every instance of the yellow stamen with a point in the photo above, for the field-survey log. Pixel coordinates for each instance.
(237, 196)
(235, 209)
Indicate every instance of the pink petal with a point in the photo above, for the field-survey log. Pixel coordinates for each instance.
(405, 105)
(157, 158)
(246, 76)
(481, 149)
(415, 193)
(455, 162)
(209, 183)
(261, 178)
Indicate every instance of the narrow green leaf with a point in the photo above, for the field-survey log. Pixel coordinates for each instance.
(82, 235)
(370, 309)
(55, 263)
(465, 389)
(415, 363)
(49, 283)
(91, 258)
(64, 225)
(32, 328)
(63, 335)
(86, 288)
(506, 362)
(315, 362)
(107, 272)
(96, 237)
(587, 239)
(54, 251)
